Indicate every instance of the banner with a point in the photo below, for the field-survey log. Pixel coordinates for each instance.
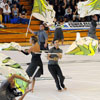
(43, 11)
(90, 7)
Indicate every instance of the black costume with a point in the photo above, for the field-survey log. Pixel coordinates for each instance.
(35, 62)
(58, 35)
(92, 30)
(55, 70)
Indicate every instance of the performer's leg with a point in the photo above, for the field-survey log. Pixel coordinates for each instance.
(33, 83)
(62, 41)
(61, 77)
(54, 75)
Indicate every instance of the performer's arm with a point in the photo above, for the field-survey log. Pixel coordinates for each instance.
(59, 55)
(46, 39)
(34, 33)
(22, 97)
(46, 43)
(24, 52)
(49, 58)
(19, 77)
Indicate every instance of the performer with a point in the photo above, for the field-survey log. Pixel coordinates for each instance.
(35, 61)
(53, 66)
(8, 90)
(92, 30)
(42, 37)
(58, 32)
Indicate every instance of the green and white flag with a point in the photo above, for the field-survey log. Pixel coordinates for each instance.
(43, 11)
(89, 7)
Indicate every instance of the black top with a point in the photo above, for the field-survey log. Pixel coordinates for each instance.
(54, 50)
(23, 11)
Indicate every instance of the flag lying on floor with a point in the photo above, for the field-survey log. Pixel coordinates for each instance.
(9, 67)
(43, 11)
(10, 46)
(89, 7)
(83, 46)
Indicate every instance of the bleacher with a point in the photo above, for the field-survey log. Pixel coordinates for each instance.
(17, 32)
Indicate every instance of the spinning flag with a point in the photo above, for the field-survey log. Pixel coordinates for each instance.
(43, 11)
(89, 7)
(9, 67)
(83, 46)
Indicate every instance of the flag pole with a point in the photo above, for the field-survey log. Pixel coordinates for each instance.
(28, 25)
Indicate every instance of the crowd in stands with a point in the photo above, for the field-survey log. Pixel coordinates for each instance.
(68, 11)
(12, 12)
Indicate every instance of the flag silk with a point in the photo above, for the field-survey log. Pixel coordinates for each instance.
(83, 46)
(9, 67)
(10, 46)
(90, 7)
(43, 11)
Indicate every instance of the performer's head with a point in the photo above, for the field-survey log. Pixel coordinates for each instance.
(95, 17)
(56, 43)
(33, 39)
(41, 27)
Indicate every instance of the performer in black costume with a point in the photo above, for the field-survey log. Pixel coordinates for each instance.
(54, 67)
(35, 61)
(92, 30)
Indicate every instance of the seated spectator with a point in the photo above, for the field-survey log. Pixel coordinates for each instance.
(23, 15)
(23, 12)
(72, 5)
(2, 5)
(15, 11)
(10, 4)
(16, 2)
(68, 13)
(15, 14)
(10, 1)
(6, 12)
(1, 11)
(76, 17)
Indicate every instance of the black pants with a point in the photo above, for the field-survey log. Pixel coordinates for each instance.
(57, 75)
(42, 46)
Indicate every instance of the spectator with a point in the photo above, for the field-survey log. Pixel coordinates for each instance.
(10, 1)
(15, 14)
(10, 4)
(6, 12)
(76, 16)
(23, 15)
(23, 12)
(1, 11)
(73, 5)
(2, 5)
(15, 11)
(16, 2)
(68, 13)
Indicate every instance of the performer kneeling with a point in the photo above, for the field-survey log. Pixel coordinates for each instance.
(53, 65)
(35, 61)
(8, 90)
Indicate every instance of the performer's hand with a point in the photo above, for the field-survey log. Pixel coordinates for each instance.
(55, 59)
(19, 50)
(29, 81)
(28, 90)
(45, 45)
